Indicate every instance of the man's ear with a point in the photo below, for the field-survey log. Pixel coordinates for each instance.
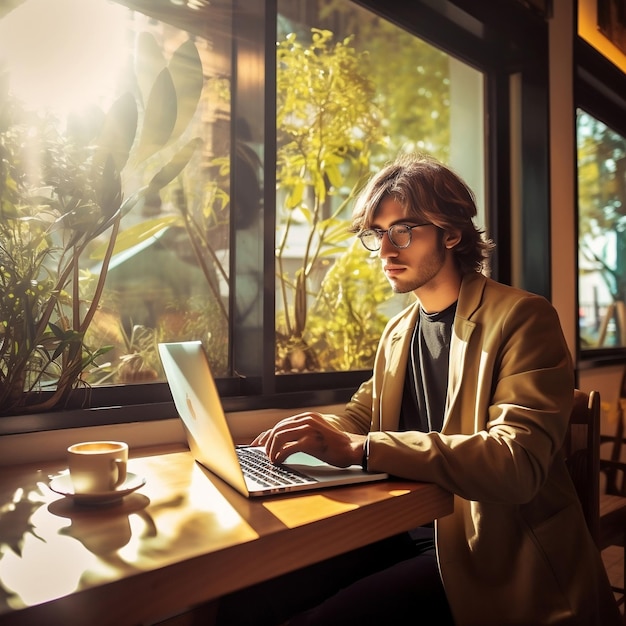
(451, 238)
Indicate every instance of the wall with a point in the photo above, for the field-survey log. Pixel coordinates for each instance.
(562, 168)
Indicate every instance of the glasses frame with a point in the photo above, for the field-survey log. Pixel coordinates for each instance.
(379, 232)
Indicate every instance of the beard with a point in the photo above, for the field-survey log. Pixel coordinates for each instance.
(426, 272)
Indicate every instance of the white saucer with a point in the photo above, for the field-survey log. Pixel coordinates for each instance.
(63, 484)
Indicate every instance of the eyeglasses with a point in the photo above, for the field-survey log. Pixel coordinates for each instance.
(399, 236)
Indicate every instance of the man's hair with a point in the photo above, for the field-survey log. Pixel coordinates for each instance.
(429, 192)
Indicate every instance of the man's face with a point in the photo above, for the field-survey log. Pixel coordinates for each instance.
(418, 266)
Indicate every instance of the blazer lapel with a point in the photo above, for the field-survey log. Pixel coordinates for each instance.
(394, 371)
(461, 334)
(470, 295)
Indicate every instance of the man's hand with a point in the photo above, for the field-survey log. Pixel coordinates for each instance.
(311, 433)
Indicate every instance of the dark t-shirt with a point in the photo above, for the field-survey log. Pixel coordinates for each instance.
(426, 386)
(426, 382)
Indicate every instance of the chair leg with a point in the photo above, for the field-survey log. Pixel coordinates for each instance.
(621, 601)
(624, 580)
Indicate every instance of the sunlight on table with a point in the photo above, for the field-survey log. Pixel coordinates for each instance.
(46, 564)
(307, 509)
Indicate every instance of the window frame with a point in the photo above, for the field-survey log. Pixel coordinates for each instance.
(598, 86)
(493, 39)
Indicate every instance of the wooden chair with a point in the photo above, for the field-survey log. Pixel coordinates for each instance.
(582, 454)
(612, 520)
(605, 512)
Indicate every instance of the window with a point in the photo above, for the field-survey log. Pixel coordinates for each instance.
(601, 157)
(116, 191)
(176, 147)
(346, 103)
(602, 234)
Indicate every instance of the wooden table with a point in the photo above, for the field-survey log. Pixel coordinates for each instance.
(182, 539)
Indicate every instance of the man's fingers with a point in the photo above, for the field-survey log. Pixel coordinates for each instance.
(305, 432)
(286, 441)
(261, 439)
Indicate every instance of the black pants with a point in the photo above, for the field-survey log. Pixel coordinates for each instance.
(395, 581)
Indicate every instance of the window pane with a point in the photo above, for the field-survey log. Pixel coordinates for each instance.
(116, 129)
(601, 239)
(347, 102)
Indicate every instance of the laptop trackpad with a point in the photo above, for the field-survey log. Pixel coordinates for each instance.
(319, 470)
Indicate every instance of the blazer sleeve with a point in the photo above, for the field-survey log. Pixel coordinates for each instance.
(357, 415)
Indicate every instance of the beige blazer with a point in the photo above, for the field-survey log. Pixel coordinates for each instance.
(516, 550)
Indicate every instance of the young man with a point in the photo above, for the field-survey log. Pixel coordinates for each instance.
(472, 389)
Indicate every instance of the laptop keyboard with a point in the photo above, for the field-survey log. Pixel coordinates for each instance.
(257, 466)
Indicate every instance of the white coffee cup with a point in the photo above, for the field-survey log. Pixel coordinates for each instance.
(97, 466)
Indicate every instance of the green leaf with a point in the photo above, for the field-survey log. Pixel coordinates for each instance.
(337, 233)
(332, 251)
(170, 171)
(334, 176)
(159, 117)
(110, 188)
(56, 330)
(135, 235)
(294, 198)
(129, 204)
(186, 72)
(149, 62)
(118, 132)
(306, 212)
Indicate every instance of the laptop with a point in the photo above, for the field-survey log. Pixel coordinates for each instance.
(199, 406)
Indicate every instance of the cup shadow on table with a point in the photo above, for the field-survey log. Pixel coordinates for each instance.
(106, 528)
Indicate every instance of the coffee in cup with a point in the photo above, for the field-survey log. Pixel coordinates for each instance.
(97, 466)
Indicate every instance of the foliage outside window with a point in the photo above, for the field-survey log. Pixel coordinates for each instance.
(602, 234)
(116, 229)
(347, 102)
(111, 204)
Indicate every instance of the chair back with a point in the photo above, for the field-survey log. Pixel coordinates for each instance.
(582, 454)
(612, 465)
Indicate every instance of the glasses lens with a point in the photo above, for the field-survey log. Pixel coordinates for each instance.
(400, 235)
(370, 239)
